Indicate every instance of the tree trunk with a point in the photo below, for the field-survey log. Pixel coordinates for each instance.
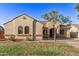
(54, 33)
(34, 29)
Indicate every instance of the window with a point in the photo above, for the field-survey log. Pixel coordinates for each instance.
(26, 29)
(20, 30)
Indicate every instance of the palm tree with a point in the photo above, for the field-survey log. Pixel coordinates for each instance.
(54, 17)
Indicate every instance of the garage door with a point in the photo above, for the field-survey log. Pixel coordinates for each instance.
(74, 34)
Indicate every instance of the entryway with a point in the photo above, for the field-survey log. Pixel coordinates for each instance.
(48, 33)
(51, 33)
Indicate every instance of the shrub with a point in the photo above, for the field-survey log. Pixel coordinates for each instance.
(3, 39)
(12, 38)
(29, 39)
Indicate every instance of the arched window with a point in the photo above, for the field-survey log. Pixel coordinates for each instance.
(20, 30)
(26, 29)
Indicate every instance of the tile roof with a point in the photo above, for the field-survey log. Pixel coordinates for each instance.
(65, 27)
(76, 25)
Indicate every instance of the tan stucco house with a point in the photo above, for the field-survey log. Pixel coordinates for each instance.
(24, 27)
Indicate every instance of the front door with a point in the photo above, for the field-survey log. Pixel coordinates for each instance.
(51, 33)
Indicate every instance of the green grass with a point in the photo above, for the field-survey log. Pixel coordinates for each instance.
(35, 48)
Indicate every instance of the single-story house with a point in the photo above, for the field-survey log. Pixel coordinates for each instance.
(24, 27)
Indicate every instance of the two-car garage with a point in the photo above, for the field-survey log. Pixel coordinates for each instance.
(74, 34)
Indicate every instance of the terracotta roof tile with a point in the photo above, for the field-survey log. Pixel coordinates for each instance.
(76, 25)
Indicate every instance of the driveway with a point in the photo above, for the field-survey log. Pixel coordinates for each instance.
(74, 43)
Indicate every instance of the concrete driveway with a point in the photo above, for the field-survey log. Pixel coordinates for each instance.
(74, 43)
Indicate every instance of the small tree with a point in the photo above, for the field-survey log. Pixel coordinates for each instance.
(77, 7)
(54, 17)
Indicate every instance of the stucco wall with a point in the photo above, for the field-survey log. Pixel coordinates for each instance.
(39, 30)
(50, 24)
(24, 22)
(67, 33)
(9, 28)
(12, 28)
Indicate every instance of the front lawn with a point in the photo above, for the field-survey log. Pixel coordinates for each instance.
(35, 48)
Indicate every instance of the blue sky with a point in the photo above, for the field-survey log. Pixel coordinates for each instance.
(36, 10)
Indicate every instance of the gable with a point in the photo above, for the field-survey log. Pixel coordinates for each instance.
(22, 16)
(22, 20)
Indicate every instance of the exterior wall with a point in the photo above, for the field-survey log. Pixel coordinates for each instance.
(39, 30)
(78, 35)
(67, 33)
(49, 25)
(58, 30)
(11, 28)
(24, 22)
